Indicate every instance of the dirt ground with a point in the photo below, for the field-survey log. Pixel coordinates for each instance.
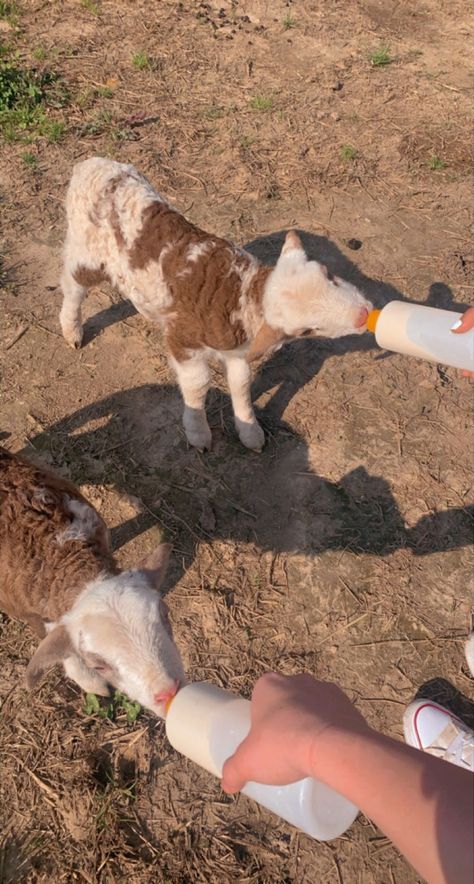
(344, 548)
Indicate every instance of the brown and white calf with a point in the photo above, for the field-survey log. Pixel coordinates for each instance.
(57, 573)
(211, 298)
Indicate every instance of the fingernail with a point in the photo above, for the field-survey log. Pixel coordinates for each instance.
(456, 325)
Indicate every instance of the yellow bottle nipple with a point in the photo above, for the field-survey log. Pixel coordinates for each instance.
(372, 320)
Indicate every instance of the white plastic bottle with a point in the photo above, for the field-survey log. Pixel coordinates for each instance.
(424, 332)
(206, 724)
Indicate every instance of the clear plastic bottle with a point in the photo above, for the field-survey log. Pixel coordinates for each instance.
(424, 332)
(206, 724)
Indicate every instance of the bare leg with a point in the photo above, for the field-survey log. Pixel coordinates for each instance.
(70, 316)
(86, 678)
(194, 377)
(239, 378)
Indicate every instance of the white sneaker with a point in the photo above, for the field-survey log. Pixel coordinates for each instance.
(431, 728)
(469, 649)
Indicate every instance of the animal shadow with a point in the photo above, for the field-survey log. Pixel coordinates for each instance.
(274, 500)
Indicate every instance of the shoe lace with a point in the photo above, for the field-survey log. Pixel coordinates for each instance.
(459, 748)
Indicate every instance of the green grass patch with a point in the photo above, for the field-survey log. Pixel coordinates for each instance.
(381, 57)
(101, 122)
(261, 102)
(113, 801)
(29, 159)
(39, 53)
(435, 162)
(288, 22)
(9, 11)
(91, 6)
(141, 61)
(25, 96)
(348, 152)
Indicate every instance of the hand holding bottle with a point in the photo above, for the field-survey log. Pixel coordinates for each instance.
(301, 727)
(293, 718)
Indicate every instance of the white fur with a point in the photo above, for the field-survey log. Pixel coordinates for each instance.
(84, 525)
(197, 250)
(239, 378)
(469, 648)
(194, 378)
(298, 297)
(118, 619)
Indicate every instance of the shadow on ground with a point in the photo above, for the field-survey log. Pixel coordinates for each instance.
(441, 691)
(132, 439)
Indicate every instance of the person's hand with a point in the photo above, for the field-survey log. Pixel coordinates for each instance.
(465, 324)
(293, 718)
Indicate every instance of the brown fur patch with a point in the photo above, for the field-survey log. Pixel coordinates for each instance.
(265, 339)
(40, 578)
(206, 291)
(89, 276)
(105, 206)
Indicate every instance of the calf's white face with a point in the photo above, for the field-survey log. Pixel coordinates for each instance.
(119, 629)
(300, 299)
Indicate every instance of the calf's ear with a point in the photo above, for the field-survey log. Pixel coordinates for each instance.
(292, 243)
(155, 564)
(53, 649)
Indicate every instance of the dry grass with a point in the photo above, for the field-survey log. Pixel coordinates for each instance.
(344, 548)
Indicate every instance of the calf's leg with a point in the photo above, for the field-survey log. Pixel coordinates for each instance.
(194, 377)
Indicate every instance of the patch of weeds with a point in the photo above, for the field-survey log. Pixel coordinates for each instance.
(348, 152)
(91, 6)
(92, 707)
(125, 134)
(53, 130)
(104, 91)
(39, 53)
(435, 162)
(381, 57)
(86, 97)
(9, 11)
(131, 708)
(25, 93)
(29, 159)
(288, 22)
(106, 816)
(98, 124)
(261, 102)
(141, 61)
(118, 705)
(214, 112)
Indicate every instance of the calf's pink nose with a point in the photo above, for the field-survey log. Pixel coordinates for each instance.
(166, 696)
(361, 317)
